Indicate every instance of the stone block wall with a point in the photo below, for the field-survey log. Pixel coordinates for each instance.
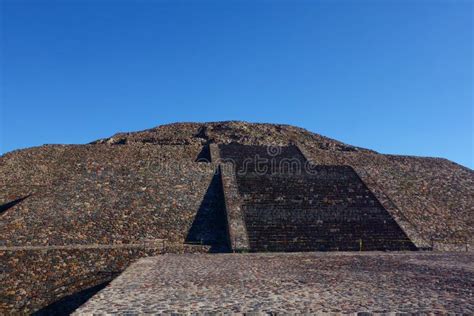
(262, 159)
(330, 211)
(433, 197)
(115, 191)
(310, 207)
(92, 194)
(32, 279)
(114, 194)
(237, 230)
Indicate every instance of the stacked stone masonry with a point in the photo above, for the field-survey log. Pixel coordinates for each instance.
(289, 208)
(92, 194)
(151, 185)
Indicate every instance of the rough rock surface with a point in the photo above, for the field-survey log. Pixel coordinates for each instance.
(142, 186)
(292, 283)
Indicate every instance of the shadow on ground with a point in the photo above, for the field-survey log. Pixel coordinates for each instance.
(70, 303)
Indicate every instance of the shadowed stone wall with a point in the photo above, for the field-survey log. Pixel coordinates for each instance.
(432, 198)
(332, 210)
(298, 207)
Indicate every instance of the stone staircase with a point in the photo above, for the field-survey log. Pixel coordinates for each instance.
(287, 206)
(249, 159)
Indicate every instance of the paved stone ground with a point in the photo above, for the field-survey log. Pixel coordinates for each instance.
(292, 283)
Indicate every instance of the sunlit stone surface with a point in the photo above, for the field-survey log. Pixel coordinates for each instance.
(292, 282)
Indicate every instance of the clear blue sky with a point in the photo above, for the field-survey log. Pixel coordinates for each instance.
(393, 76)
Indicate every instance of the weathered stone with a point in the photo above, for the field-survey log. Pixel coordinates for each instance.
(375, 283)
(148, 185)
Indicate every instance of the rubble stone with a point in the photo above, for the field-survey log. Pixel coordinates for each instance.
(150, 185)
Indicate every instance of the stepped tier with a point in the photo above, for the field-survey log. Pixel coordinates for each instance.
(321, 208)
(72, 214)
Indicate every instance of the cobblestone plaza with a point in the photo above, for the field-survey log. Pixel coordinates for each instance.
(343, 282)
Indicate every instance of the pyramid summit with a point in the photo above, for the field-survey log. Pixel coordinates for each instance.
(225, 132)
(84, 212)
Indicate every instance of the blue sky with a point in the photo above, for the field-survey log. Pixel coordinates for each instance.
(393, 76)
